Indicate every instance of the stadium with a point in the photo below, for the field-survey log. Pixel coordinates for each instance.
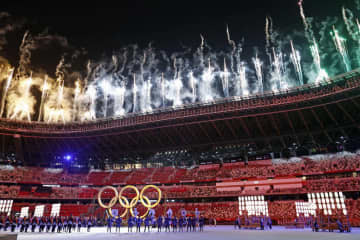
(188, 154)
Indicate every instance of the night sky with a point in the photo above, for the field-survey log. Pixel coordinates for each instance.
(102, 27)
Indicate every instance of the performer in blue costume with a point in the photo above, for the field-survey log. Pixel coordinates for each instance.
(109, 224)
(118, 222)
(78, 222)
(340, 225)
(167, 223)
(159, 223)
(193, 223)
(33, 224)
(138, 223)
(147, 223)
(174, 223)
(130, 224)
(59, 225)
(188, 224)
(53, 225)
(181, 224)
(201, 223)
(65, 224)
(269, 223)
(48, 224)
(89, 224)
(70, 224)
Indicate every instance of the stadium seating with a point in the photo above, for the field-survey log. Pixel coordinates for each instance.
(326, 174)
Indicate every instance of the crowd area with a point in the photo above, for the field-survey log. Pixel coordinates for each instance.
(182, 191)
(318, 175)
(10, 174)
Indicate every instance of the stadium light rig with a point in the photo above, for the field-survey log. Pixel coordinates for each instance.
(253, 205)
(328, 202)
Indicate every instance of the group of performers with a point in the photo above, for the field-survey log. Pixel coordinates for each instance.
(253, 222)
(322, 223)
(330, 224)
(169, 223)
(46, 224)
(166, 224)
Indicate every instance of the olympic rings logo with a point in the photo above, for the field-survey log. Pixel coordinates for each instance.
(124, 202)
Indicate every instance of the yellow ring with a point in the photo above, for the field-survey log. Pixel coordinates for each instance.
(133, 202)
(124, 213)
(112, 201)
(149, 205)
(147, 211)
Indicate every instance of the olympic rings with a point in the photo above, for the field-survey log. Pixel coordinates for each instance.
(148, 205)
(133, 201)
(112, 201)
(124, 202)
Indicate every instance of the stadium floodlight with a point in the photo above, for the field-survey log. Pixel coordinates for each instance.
(39, 211)
(55, 210)
(254, 205)
(24, 212)
(6, 206)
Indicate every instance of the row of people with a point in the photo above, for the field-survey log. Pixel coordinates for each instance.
(330, 225)
(253, 222)
(46, 224)
(167, 223)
